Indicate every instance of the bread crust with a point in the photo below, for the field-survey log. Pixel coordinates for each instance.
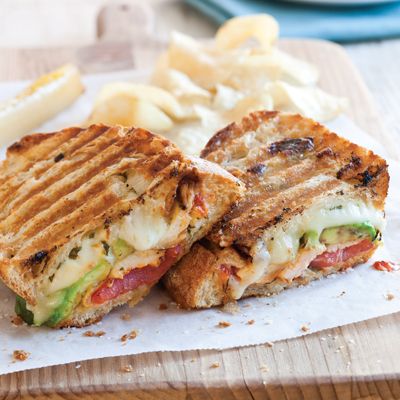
(288, 163)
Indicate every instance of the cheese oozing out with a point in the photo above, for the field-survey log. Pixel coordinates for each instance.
(277, 252)
(145, 230)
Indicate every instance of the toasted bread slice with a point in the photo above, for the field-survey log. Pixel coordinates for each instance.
(82, 209)
(310, 195)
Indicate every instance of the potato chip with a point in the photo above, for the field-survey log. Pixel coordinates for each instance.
(153, 94)
(237, 31)
(126, 110)
(309, 101)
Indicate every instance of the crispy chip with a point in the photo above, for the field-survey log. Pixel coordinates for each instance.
(237, 31)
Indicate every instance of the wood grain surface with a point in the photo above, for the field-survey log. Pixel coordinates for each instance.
(357, 361)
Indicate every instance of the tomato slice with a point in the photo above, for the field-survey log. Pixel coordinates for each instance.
(114, 287)
(328, 259)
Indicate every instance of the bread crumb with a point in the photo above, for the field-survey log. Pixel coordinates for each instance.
(163, 306)
(127, 368)
(264, 368)
(389, 296)
(250, 322)
(269, 344)
(78, 366)
(223, 324)
(17, 320)
(131, 335)
(20, 355)
(231, 307)
(94, 334)
(126, 317)
(215, 365)
(305, 328)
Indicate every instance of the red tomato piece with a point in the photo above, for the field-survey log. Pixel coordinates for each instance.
(148, 275)
(383, 266)
(328, 259)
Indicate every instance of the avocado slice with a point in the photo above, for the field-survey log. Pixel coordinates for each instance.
(121, 248)
(22, 311)
(70, 294)
(309, 240)
(347, 233)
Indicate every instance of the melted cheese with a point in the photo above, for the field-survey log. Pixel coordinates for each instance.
(138, 259)
(283, 242)
(145, 228)
(276, 254)
(72, 270)
(252, 274)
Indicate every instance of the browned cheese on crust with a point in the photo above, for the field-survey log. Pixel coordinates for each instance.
(287, 162)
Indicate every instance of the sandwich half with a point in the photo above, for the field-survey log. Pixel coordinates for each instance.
(92, 218)
(314, 206)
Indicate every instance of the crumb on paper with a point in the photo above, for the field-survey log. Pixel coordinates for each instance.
(264, 368)
(127, 368)
(193, 360)
(231, 307)
(269, 344)
(342, 293)
(389, 296)
(129, 336)
(250, 322)
(223, 324)
(17, 320)
(215, 364)
(305, 328)
(163, 306)
(20, 355)
(94, 334)
(126, 317)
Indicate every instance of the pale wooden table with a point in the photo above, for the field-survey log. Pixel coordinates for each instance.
(367, 365)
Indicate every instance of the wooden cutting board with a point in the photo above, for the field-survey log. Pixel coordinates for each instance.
(360, 361)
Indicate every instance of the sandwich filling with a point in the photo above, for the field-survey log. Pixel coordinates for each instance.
(111, 261)
(326, 234)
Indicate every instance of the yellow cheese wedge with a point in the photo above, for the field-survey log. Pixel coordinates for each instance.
(43, 99)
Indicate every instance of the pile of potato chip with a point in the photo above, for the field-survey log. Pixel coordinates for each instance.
(198, 87)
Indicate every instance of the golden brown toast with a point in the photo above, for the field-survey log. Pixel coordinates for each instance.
(289, 164)
(57, 188)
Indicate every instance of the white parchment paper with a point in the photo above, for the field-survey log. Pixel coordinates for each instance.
(341, 299)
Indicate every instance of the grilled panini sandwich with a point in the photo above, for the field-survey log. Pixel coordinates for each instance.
(92, 218)
(314, 205)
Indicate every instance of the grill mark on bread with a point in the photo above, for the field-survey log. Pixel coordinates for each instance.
(249, 223)
(292, 146)
(53, 177)
(67, 185)
(10, 189)
(348, 169)
(23, 156)
(294, 175)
